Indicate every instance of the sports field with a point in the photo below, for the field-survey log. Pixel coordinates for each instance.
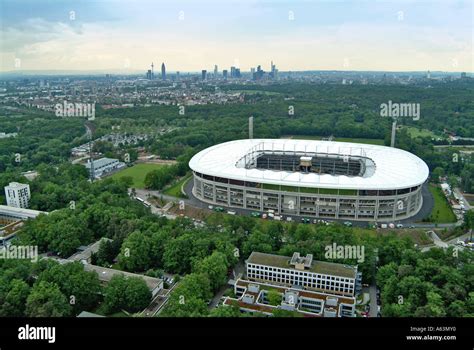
(137, 173)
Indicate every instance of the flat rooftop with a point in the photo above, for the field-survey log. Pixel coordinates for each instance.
(105, 275)
(322, 267)
(19, 212)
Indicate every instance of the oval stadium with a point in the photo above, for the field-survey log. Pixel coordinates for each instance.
(321, 179)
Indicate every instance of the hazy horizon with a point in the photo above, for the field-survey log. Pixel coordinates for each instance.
(112, 35)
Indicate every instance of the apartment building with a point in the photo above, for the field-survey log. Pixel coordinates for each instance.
(18, 195)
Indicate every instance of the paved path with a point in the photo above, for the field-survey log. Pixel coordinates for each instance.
(467, 206)
(373, 300)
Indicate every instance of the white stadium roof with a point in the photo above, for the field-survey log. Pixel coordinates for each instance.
(394, 168)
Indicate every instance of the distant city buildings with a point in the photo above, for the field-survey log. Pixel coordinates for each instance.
(273, 71)
(234, 72)
(18, 195)
(104, 166)
(163, 71)
(301, 284)
(150, 74)
(203, 74)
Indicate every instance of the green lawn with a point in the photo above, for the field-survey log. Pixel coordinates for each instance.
(442, 212)
(415, 132)
(175, 189)
(341, 139)
(138, 173)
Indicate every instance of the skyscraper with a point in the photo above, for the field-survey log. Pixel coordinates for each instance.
(215, 71)
(150, 73)
(224, 74)
(163, 71)
(203, 74)
(273, 71)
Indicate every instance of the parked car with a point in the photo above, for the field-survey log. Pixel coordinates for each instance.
(348, 223)
(289, 219)
(399, 225)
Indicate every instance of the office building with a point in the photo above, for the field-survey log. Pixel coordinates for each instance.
(18, 195)
(312, 288)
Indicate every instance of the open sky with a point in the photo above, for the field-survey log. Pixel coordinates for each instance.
(190, 35)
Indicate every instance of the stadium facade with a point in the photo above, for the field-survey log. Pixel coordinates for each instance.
(323, 179)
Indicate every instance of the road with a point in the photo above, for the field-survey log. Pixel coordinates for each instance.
(196, 203)
(373, 300)
(467, 206)
(437, 241)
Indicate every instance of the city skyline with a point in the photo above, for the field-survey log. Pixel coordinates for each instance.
(299, 36)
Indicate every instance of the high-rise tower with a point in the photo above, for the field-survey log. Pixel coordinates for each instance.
(163, 71)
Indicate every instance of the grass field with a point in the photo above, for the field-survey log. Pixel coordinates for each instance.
(442, 212)
(175, 189)
(341, 139)
(415, 132)
(138, 173)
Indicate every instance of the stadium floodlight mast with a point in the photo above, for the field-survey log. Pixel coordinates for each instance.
(394, 132)
(251, 127)
(90, 128)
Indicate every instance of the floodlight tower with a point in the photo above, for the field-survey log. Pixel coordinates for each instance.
(251, 127)
(89, 131)
(394, 132)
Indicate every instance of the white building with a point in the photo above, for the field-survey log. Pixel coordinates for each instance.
(104, 166)
(324, 179)
(18, 195)
(313, 288)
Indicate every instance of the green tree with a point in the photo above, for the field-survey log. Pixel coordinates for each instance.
(46, 300)
(215, 266)
(15, 300)
(189, 298)
(136, 254)
(128, 293)
(226, 311)
(274, 297)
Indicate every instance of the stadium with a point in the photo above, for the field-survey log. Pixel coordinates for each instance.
(321, 179)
